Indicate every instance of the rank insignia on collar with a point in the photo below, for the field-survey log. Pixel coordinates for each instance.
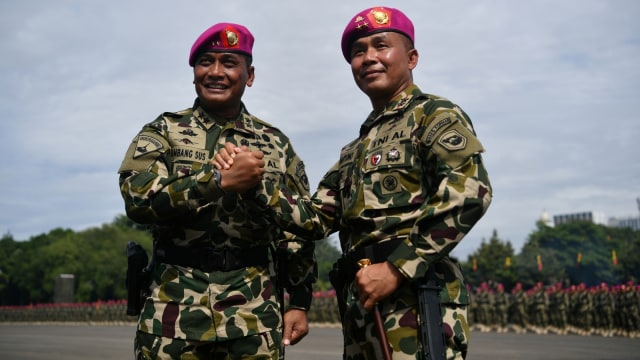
(393, 154)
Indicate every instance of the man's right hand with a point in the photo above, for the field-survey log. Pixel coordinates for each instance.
(224, 157)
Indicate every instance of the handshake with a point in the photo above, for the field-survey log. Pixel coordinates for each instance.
(240, 169)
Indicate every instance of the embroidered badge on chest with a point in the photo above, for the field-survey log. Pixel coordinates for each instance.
(390, 183)
(376, 159)
(393, 154)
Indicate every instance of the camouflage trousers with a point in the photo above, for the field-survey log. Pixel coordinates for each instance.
(265, 346)
(361, 340)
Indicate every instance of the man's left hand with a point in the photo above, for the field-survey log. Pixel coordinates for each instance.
(296, 326)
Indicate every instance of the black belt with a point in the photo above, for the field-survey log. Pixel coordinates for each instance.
(210, 259)
(377, 253)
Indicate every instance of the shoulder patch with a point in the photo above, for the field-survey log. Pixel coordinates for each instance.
(437, 125)
(456, 144)
(146, 144)
(452, 140)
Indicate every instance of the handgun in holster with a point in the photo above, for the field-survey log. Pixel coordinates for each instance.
(337, 278)
(138, 277)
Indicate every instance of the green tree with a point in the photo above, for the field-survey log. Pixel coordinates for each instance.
(494, 261)
(96, 257)
(579, 252)
(326, 254)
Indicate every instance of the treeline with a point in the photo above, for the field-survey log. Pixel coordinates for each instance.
(96, 257)
(572, 253)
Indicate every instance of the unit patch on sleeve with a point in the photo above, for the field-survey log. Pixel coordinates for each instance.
(452, 140)
(146, 144)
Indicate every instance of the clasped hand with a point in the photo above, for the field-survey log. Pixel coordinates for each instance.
(240, 168)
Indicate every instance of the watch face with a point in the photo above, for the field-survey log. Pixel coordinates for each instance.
(217, 177)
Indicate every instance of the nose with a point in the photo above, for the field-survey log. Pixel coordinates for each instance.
(215, 70)
(370, 55)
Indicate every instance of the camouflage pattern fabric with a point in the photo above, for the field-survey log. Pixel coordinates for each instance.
(260, 347)
(165, 180)
(415, 173)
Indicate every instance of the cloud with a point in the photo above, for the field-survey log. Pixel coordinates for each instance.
(550, 87)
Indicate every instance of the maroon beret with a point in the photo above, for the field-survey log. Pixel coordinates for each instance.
(222, 37)
(374, 20)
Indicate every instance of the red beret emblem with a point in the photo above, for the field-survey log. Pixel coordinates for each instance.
(380, 17)
(232, 38)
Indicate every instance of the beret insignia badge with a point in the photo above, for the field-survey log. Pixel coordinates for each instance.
(232, 38)
(380, 17)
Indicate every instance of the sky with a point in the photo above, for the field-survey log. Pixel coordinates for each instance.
(551, 87)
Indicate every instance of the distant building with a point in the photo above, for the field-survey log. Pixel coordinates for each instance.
(545, 218)
(593, 217)
(590, 216)
(630, 222)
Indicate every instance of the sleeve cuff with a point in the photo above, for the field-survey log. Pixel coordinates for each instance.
(300, 297)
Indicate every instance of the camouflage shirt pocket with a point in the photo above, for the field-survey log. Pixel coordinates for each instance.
(390, 179)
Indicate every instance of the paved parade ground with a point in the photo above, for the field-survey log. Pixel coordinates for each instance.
(76, 342)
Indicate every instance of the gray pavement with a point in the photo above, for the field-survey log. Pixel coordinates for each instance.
(75, 342)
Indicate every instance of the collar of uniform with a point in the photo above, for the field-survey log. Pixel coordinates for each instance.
(207, 120)
(396, 105)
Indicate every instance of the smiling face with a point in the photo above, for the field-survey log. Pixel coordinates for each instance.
(220, 79)
(381, 65)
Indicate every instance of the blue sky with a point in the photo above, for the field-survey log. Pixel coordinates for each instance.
(551, 87)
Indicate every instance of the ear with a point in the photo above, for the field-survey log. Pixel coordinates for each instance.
(252, 75)
(413, 58)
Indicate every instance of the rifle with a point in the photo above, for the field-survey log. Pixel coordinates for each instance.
(431, 330)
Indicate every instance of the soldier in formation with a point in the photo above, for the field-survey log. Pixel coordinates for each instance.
(601, 310)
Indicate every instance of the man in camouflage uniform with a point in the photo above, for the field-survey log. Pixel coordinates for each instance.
(502, 303)
(402, 195)
(213, 293)
(519, 312)
(631, 308)
(605, 307)
(558, 304)
(485, 302)
(583, 309)
(539, 306)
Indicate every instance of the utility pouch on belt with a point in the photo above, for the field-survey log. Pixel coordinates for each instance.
(138, 278)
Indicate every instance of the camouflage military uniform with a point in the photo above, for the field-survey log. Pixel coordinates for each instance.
(558, 304)
(539, 307)
(165, 179)
(502, 303)
(605, 307)
(519, 314)
(630, 298)
(414, 178)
